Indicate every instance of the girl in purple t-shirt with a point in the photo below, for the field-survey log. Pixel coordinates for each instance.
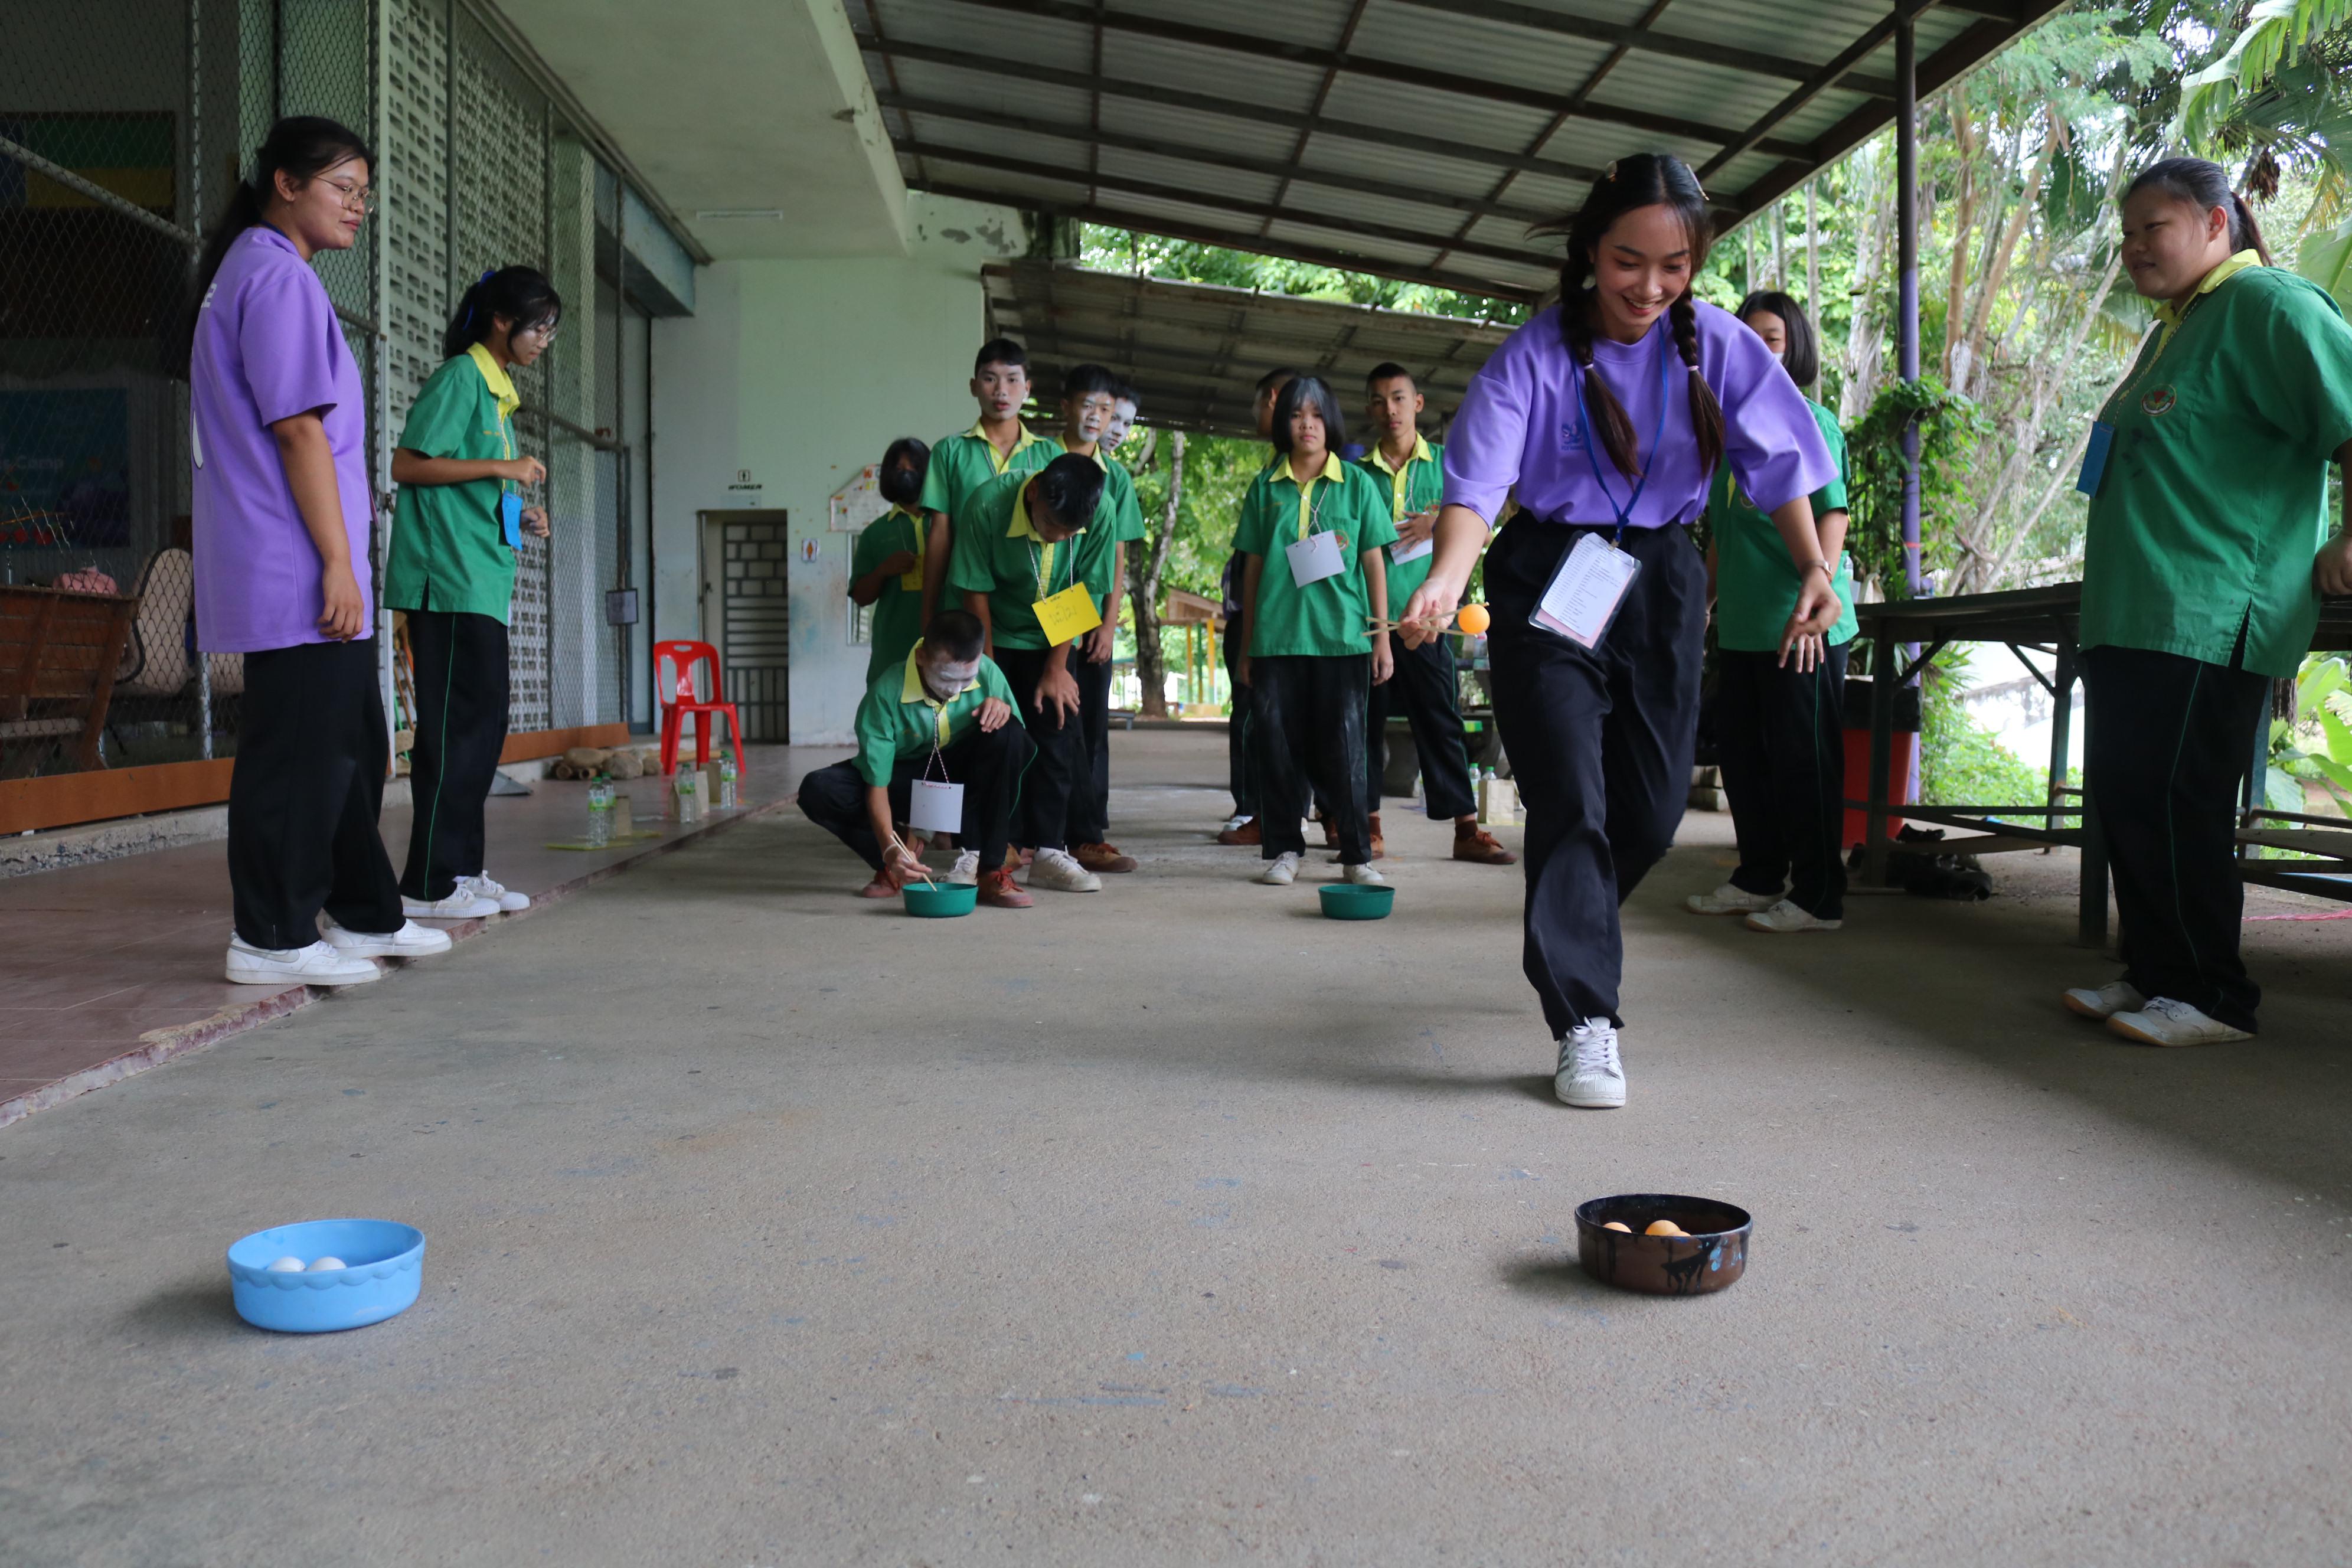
(1605, 418)
(280, 515)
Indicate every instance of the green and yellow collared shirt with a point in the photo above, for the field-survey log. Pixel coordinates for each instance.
(895, 623)
(899, 721)
(449, 550)
(1419, 485)
(962, 463)
(1329, 618)
(998, 553)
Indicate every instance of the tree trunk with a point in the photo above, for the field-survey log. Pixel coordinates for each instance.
(1151, 663)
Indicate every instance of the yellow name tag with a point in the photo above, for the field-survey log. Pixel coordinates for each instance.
(1066, 615)
(912, 580)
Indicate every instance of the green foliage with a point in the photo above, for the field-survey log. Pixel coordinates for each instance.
(2326, 261)
(1951, 428)
(2275, 33)
(1217, 471)
(2315, 745)
(1960, 763)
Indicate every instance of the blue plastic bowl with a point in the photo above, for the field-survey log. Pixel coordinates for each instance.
(939, 900)
(385, 1269)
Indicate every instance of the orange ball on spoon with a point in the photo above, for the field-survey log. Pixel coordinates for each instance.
(1474, 620)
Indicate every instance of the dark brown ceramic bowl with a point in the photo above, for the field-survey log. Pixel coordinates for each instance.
(1711, 1258)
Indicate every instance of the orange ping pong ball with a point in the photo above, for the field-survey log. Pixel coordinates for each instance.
(1474, 620)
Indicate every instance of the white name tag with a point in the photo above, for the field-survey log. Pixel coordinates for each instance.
(1584, 594)
(935, 807)
(1401, 553)
(1314, 557)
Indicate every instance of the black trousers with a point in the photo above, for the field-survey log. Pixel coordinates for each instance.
(1040, 820)
(988, 766)
(1600, 744)
(2170, 741)
(1308, 726)
(461, 726)
(1424, 691)
(1780, 741)
(1240, 761)
(304, 795)
(1088, 819)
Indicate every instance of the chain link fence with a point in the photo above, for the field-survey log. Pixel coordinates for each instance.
(124, 127)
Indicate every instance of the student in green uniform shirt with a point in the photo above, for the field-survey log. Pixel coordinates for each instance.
(1240, 761)
(1089, 404)
(458, 522)
(1409, 470)
(998, 443)
(1779, 728)
(2206, 555)
(885, 570)
(1019, 542)
(944, 713)
(1313, 651)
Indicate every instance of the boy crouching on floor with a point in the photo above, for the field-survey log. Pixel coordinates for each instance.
(948, 714)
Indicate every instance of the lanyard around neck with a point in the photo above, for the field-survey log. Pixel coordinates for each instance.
(1309, 509)
(1584, 424)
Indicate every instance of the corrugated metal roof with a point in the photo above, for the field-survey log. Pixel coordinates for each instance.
(1408, 138)
(1196, 351)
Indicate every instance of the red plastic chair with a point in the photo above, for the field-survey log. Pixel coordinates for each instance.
(674, 669)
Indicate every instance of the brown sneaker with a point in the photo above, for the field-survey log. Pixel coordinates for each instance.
(1103, 857)
(884, 885)
(1474, 844)
(1246, 832)
(1330, 833)
(1380, 845)
(998, 891)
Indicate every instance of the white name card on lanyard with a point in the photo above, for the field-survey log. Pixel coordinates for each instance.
(936, 807)
(1582, 597)
(1401, 553)
(1314, 558)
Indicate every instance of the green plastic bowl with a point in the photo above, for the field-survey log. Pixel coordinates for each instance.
(939, 900)
(1348, 901)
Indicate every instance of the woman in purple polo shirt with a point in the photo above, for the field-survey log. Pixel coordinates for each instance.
(281, 515)
(1605, 418)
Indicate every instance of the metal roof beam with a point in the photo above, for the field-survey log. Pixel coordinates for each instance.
(1589, 29)
(1206, 234)
(1229, 108)
(1273, 168)
(1057, 314)
(1146, 24)
(1754, 137)
(1192, 196)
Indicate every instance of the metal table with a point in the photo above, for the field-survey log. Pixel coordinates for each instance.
(2046, 620)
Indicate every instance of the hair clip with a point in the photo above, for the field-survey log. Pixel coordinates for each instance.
(486, 277)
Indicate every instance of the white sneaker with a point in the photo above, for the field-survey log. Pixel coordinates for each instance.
(1729, 900)
(510, 902)
(317, 965)
(411, 941)
(1589, 1074)
(1056, 869)
(1282, 870)
(2164, 1021)
(965, 872)
(1785, 917)
(2105, 1001)
(462, 904)
(1363, 876)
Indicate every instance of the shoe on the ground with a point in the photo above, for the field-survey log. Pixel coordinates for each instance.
(1785, 917)
(884, 886)
(1330, 831)
(1282, 870)
(1363, 876)
(411, 941)
(1101, 857)
(1056, 871)
(2165, 1022)
(2104, 1002)
(462, 904)
(321, 964)
(965, 872)
(997, 890)
(1380, 845)
(510, 902)
(1476, 844)
(1730, 900)
(1589, 1074)
(1240, 830)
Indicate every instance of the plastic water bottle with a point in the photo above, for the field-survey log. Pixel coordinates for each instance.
(600, 812)
(690, 798)
(725, 781)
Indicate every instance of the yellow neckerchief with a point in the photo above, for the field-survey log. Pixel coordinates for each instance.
(2172, 315)
(1399, 478)
(1332, 469)
(915, 691)
(501, 386)
(1022, 528)
(1000, 461)
(919, 527)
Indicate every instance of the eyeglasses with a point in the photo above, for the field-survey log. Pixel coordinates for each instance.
(356, 195)
(544, 332)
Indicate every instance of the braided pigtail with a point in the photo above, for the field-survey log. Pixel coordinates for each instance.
(1705, 412)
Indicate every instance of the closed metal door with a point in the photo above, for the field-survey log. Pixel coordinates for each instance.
(747, 615)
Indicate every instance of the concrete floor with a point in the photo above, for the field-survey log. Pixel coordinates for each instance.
(1174, 1224)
